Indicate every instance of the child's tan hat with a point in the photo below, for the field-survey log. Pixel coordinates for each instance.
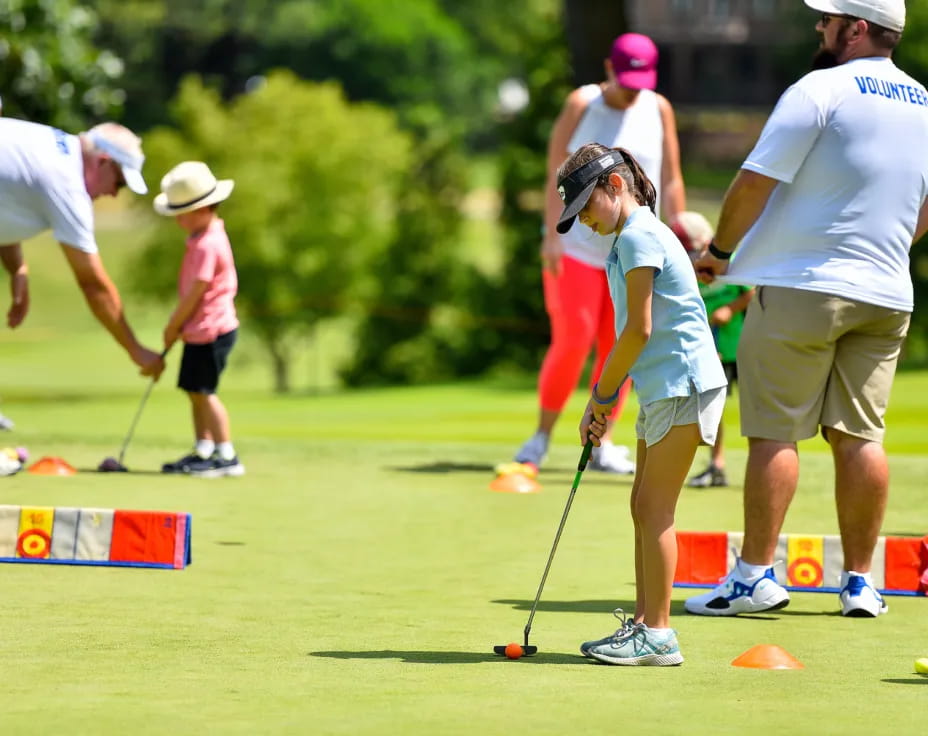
(189, 186)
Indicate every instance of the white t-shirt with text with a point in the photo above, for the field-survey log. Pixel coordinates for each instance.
(849, 146)
(42, 186)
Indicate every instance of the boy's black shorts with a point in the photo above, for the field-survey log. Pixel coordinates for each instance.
(201, 365)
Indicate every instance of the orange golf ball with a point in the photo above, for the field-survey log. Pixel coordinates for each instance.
(513, 650)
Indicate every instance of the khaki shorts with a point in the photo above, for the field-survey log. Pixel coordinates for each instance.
(808, 359)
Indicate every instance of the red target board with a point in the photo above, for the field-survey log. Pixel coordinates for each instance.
(35, 544)
(805, 571)
(34, 541)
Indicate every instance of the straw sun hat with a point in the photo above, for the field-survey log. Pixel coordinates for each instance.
(189, 186)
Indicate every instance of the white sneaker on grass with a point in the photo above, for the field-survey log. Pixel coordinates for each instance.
(858, 597)
(737, 594)
(609, 458)
(534, 450)
(217, 467)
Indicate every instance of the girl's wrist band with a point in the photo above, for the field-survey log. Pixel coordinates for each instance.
(608, 400)
(722, 255)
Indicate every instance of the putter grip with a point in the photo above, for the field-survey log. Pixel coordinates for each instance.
(585, 455)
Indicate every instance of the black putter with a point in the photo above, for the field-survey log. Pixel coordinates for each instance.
(112, 464)
(529, 649)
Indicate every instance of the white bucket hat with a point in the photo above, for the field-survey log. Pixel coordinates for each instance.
(887, 13)
(189, 186)
(125, 148)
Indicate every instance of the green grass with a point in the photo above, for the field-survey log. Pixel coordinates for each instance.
(356, 580)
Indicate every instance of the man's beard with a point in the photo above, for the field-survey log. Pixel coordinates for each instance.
(828, 58)
(824, 59)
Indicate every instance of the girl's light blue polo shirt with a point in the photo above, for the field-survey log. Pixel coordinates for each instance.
(680, 356)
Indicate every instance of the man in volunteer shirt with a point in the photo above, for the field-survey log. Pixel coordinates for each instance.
(48, 180)
(825, 210)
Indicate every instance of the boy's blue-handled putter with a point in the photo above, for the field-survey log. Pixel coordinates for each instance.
(529, 649)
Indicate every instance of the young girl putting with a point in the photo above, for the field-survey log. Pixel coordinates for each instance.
(664, 343)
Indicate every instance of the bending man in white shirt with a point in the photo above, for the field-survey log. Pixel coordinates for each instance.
(48, 180)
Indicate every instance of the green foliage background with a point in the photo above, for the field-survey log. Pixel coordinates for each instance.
(431, 291)
(307, 221)
(50, 67)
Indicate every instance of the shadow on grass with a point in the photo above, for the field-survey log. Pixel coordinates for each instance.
(920, 680)
(72, 397)
(426, 657)
(608, 606)
(443, 467)
(550, 476)
(580, 606)
(118, 473)
(833, 612)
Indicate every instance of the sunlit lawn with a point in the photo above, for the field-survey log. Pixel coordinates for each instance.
(357, 578)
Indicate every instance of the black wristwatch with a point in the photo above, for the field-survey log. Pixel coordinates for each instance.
(722, 255)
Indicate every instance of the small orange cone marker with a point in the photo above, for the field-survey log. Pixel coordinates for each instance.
(51, 466)
(528, 469)
(515, 483)
(768, 657)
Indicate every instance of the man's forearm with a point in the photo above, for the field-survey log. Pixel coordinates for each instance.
(104, 302)
(744, 202)
(12, 258)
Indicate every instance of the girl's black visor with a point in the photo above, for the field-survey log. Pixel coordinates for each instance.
(575, 188)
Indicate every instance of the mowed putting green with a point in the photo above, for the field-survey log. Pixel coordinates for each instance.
(357, 578)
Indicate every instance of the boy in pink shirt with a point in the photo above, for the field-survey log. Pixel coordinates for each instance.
(205, 315)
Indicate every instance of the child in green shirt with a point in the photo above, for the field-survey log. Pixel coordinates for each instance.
(725, 306)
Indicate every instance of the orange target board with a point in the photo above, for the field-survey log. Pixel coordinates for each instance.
(35, 533)
(805, 561)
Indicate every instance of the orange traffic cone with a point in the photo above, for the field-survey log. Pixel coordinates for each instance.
(515, 483)
(51, 466)
(768, 657)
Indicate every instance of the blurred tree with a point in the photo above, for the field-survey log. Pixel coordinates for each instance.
(912, 53)
(50, 70)
(411, 55)
(314, 203)
(425, 59)
(501, 321)
(912, 56)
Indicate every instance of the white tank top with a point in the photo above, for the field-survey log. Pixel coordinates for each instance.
(639, 129)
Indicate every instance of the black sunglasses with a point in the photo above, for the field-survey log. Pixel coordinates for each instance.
(120, 179)
(826, 17)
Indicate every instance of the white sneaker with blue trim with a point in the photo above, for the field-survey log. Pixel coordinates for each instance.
(859, 598)
(737, 594)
